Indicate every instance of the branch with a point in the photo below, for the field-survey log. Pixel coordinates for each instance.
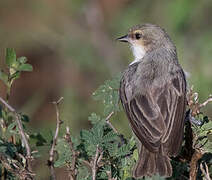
(206, 102)
(205, 171)
(99, 161)
(94, 164)
(72, 170)
(87, 164)
(52, 150)
(109, 123)
(109, 175)
(18, 170)
(193, 102)
(21, 131)
(193, 164)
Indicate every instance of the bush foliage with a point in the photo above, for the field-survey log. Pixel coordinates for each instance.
(97, 153)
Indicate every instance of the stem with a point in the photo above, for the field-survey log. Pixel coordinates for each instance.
(193, 164)
(109, 123)
(71, 169)
(21, 131)
(52, 150)
(206, 102)
(95, 165)
(205, 171)
(8, 94)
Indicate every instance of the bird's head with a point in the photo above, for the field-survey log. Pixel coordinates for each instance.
(146, 38)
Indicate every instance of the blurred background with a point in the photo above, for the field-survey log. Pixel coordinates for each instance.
(71, 45)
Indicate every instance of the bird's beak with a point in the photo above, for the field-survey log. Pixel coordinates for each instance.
(123, 39)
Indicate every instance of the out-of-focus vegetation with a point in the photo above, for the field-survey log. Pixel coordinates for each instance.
(72, 49)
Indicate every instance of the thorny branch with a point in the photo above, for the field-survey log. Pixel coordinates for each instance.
(52, 150)
(72, 169)
(21, 131)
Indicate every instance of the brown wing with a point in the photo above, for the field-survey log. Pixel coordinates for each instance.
(157, 116)
(175, 116)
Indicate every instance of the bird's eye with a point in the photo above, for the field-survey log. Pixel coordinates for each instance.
(138, 36)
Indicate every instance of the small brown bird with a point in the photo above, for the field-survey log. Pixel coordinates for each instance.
(153, 95)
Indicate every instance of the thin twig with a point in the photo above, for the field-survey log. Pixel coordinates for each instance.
(52, 150)
(21, 131)
(72, 170)
(109, 175)
(96, 162)
(87, 164)
(205, 171)
(206, 102)
(109, 123)
(95, 165)
(99, 163)
(193, 102)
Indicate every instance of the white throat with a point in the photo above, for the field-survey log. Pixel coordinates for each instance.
(138, 52)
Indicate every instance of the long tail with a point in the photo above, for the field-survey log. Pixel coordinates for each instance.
(150, 164)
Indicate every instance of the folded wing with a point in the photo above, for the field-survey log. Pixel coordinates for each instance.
(157, 116)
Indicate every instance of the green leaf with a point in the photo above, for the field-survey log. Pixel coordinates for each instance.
(124, 150)
(94, 118)
(109, 95)
(25, 67)
(25, 118)
(207, 126)
(38, 139)
(8, 149)
(12, 128)
(112, 149)
(10, 56)
(98, 132)
(22, 60)
(14, 66)
(92, 138)
(86, 135)
(109, 137)
(83, 173)
(208, 147)
(64, 152)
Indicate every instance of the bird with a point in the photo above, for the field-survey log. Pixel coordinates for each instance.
(153, 95)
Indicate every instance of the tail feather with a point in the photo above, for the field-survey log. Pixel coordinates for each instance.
(150, 164)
